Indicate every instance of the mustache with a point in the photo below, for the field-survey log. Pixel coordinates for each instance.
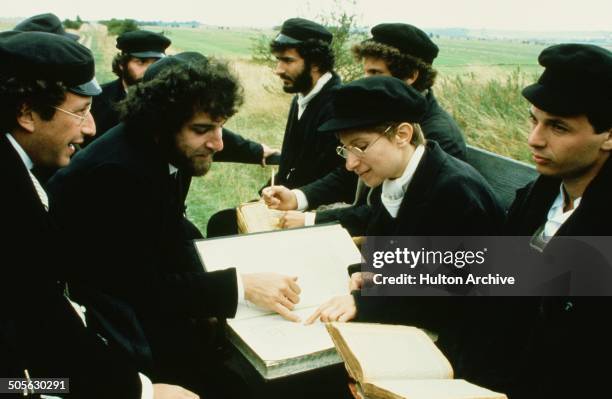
(285, 77)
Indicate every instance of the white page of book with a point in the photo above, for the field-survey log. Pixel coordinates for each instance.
(318, 256)
(387, 352)
(437, 389)
(275, 339)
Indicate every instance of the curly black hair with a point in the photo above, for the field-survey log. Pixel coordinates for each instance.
(161, 106)
(314, 52)
(39, 95)
(401, 65)
(120, 61)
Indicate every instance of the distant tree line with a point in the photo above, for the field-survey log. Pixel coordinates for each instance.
(70, 24)
(120, 26)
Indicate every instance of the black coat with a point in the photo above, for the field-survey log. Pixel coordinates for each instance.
(103, 108)
(308, 155)
(39, 330)
(339, 185)
(569, 335)
(139, 247)
(447, 197)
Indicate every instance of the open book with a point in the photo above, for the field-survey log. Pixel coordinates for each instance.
(255, 217)
(319, 257)
(394, 362)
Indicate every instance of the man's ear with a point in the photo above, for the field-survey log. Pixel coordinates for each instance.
(25, 118)
(607, 144)
(403, 134)
(413, 78)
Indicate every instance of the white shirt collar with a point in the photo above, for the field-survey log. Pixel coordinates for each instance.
(556, 216)
(393, 190)
(27, 161)
(303, 100)
(172, 169)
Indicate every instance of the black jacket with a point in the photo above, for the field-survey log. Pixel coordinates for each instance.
(39, 330)
(569, 334)
(339, 185)
(446, 197)
(306, 154)
(139, 247)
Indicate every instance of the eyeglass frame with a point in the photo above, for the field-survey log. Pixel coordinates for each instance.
(343, 150)
(82, 118)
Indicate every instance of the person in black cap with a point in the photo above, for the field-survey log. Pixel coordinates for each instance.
(571, 141)
(395, 49)
(139, 49)
(45, 23)
(305, 63)
(46, 85)
(377, 120)
(420, 190)
(136, 179)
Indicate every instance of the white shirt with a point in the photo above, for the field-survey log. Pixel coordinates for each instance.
(556, 217)
(147, 386)
(303, 100)
(393, 190)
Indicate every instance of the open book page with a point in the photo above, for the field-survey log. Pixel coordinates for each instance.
(256, 217)
(274, 339)
(428, 389)
(318, 256)
(393, 352)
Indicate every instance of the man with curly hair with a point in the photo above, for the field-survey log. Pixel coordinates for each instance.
(404, 52)
(132, 184)
(46, 87)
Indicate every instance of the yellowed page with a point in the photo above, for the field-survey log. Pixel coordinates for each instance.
(394, 352)
(432, 389)
(257, 217)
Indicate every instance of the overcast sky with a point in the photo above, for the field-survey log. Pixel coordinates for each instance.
(558, 15)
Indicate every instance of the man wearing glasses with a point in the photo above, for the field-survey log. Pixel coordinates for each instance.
(46, 86)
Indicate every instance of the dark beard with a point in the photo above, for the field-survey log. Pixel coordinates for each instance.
(302, 83)
(129, 79)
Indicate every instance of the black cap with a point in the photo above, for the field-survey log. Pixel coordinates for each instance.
(47, 56)
(187, 57)
(370, 101)
(407, 39)
(298, 30)
(45, 23)
(143, 44)
(577, 80)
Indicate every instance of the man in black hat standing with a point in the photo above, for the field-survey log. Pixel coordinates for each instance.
(139, 49)
(305, 63)
(46, 85)
(44, 23)
(407, 53)
(571, 141)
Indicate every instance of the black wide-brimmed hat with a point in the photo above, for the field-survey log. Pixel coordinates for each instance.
(143, 44)
(577, 80)
(370, 101)
(44, 23)
(47, 56)
(298, 30)
(408, 39)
